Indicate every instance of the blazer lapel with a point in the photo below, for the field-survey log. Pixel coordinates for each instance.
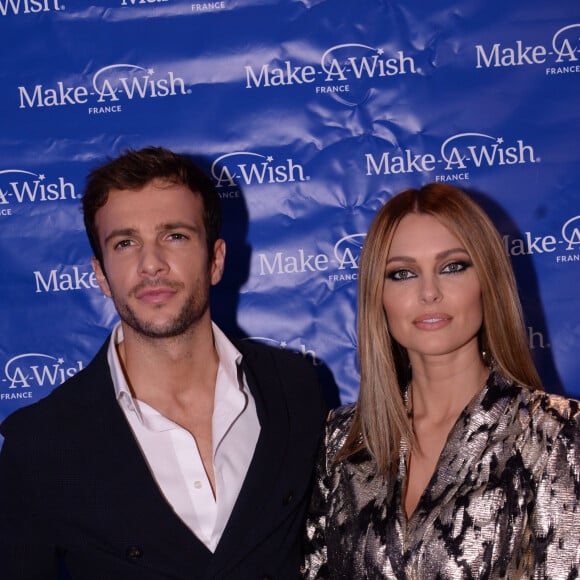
(133, 505)
(251, 520)
(480, 423)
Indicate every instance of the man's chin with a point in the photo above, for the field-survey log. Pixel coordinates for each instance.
(155, 325)
(157, 330)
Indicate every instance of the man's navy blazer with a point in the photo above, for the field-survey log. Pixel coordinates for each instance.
(76, 493)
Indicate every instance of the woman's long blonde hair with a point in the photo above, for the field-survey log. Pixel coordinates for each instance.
(380, 418)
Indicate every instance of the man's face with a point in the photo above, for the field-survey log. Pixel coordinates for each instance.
(156, 264)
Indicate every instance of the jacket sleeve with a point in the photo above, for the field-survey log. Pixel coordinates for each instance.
(315, 562)
(26, 552)
(555, 520)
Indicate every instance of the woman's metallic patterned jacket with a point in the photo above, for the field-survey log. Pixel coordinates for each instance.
(504, 501)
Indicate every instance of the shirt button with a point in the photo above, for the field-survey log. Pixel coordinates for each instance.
(197, 484)
(134, 552)
(288, 498)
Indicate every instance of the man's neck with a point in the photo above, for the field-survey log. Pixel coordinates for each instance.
(177, 378)
(169, 367)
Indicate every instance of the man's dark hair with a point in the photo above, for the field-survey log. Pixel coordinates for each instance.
(134, 170)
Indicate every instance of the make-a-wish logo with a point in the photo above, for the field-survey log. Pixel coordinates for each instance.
(65, 279)
(141, 2)
(565, 246)
(249, 168)
(563, 50)
(457, 154)
(109, 87)
(341, 265)
(36, 370)
(340, 71)
(19, 186)
(295, 345)
(17, 7)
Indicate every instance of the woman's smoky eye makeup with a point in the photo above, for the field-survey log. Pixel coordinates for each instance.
(452, 266)
(398, 274)
(456, 266)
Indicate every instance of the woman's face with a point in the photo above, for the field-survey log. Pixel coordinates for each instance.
(432, 294)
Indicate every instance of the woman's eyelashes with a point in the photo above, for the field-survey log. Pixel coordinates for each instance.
(454, 267)
(400, 274)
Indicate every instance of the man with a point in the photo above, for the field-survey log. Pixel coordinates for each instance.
(177, 453)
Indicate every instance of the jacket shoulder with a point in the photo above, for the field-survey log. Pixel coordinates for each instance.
(253, 348)
(553, 414)
(288, 364)
(286, 374)
(338, 426)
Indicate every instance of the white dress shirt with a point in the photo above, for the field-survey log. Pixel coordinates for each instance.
(171, 451)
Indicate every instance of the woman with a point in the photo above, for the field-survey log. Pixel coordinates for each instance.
(453, 463)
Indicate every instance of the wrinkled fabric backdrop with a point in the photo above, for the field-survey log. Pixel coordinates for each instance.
(309, 115)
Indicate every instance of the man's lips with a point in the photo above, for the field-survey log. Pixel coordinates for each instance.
(155, 295)
(432, 321)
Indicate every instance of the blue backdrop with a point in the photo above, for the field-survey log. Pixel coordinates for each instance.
(309, 115)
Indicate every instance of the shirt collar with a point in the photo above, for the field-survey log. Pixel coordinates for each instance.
(122, 392)
(229, 356)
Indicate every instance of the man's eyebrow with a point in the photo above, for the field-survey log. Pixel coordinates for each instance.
(164, 227)
(121, 232)
(177, 226)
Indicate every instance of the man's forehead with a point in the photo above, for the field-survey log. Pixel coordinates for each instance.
(159, 184)
(155, 204)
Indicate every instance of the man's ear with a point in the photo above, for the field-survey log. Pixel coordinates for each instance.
(101, 278)
(218, 261)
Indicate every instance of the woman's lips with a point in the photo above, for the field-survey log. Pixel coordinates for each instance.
(432, 321)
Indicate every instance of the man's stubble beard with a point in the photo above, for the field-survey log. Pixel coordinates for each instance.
(192, 311)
